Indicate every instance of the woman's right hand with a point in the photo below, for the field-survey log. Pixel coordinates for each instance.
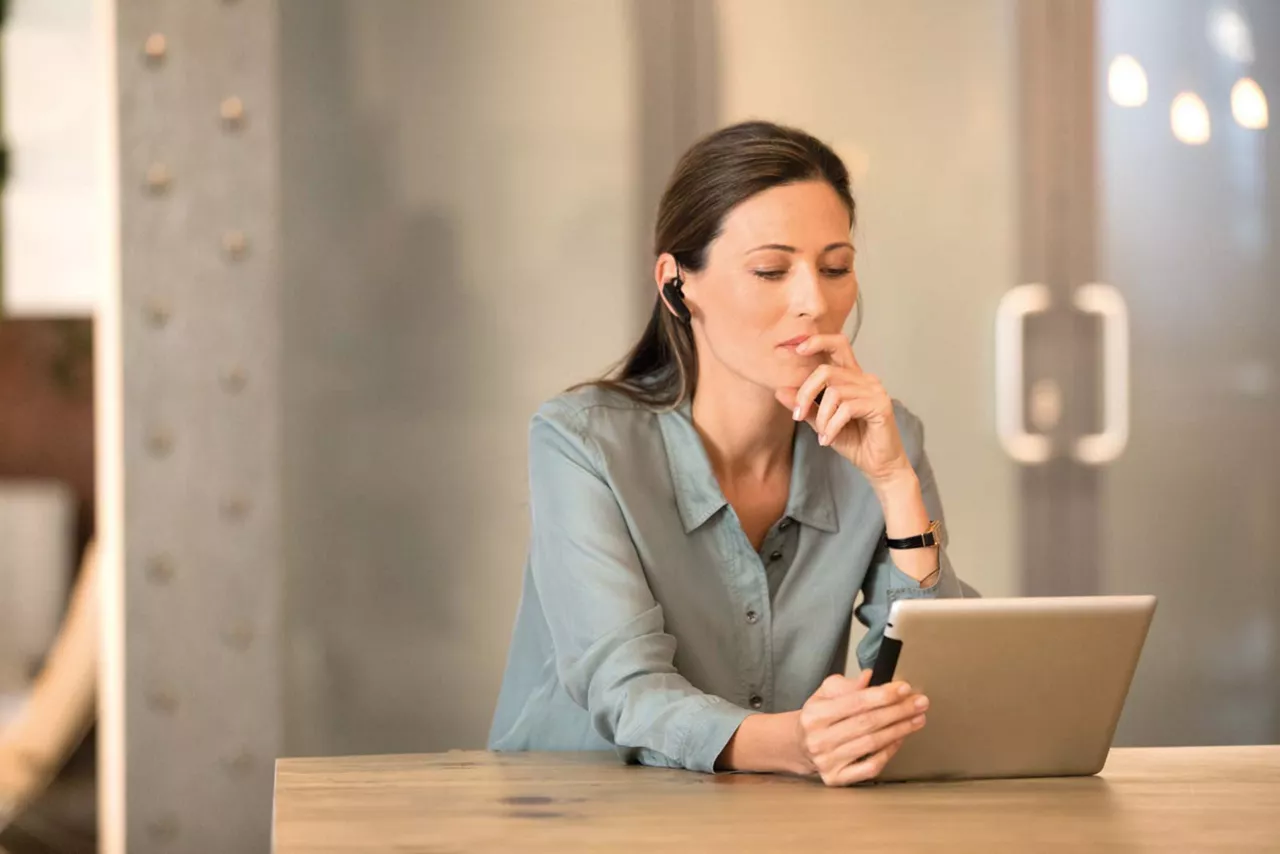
(848, 732)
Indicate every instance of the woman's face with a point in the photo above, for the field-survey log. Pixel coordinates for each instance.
(780, 271)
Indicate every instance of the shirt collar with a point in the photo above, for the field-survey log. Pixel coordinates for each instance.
(698, 494)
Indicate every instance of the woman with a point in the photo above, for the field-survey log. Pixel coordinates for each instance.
(703, 520)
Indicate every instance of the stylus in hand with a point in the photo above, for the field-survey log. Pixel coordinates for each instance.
(850, 730)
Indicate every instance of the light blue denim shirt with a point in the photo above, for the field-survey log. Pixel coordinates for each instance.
(648, 623)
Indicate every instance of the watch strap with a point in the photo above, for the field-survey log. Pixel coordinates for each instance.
(931, 537)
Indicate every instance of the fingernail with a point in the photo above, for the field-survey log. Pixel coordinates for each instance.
(822, 440)
(922, 703)
(795, 414)
(904, 690)
(918, 721)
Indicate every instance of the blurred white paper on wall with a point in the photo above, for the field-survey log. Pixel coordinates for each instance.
(56, 125)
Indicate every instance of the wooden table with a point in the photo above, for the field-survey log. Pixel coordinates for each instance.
(1154, 799)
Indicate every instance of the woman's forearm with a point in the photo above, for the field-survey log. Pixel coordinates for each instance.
(766, 743)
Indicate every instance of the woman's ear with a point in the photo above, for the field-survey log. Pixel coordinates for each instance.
(666, 275)
(665, 269)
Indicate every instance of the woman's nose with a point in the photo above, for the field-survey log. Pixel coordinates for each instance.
(809, 298)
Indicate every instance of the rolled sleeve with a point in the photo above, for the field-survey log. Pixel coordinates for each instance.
(709, 728)
(712, 728)
(903, 586)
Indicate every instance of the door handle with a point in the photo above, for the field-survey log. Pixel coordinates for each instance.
(1105, 301)
(1011, 314)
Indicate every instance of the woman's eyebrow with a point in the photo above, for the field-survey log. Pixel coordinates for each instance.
(785, 248)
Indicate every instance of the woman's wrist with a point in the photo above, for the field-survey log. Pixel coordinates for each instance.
(892, 477)
(902, 502)
(767, 743)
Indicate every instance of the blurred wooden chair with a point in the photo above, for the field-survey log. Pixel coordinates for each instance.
(61, 707)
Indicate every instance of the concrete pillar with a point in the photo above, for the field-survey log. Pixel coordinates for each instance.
(189, 430)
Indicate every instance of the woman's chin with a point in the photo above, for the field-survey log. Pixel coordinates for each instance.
(793, 376)
(787, 380)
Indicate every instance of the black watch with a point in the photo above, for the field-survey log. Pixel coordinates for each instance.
(931, 537)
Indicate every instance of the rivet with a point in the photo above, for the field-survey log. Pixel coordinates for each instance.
(239, 765)
(159, 442)
(238, 636)
(232, 110)
(162, 701)
(233, 380)
(155, 48)
(234, 508)
(235, 244)
(163, 829)
(158, 179)
(157, 313)
(160, 569)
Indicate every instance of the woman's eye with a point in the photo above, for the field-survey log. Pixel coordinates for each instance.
(837, 272)
(771, 275)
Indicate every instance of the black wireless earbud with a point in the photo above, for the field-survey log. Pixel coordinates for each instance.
(673, 292)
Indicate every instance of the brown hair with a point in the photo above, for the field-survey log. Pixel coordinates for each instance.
(719, 172)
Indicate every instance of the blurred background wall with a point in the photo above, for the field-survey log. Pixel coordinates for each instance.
(461, 240)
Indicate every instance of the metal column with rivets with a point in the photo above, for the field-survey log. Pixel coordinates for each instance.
(190, 476)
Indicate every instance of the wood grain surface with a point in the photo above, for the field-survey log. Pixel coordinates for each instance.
(1150, 799)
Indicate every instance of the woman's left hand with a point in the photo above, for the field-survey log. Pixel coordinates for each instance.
(855, 416)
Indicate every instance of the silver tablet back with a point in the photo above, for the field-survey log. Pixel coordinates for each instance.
(1028, 687)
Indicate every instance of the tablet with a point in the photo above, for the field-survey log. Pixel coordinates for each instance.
(1027, 687)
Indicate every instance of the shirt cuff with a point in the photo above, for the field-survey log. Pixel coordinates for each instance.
(903, 586)
(709, 731)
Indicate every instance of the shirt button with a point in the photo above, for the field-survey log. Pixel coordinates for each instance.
(756, 701)
(775, 557)
(752, 617)
(784, 524)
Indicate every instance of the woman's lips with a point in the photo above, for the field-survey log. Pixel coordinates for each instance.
(792, 343)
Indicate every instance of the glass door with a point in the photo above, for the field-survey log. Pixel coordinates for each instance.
(1189, 481)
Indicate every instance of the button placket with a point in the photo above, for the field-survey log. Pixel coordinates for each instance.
(755, 616)
(751, 581)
